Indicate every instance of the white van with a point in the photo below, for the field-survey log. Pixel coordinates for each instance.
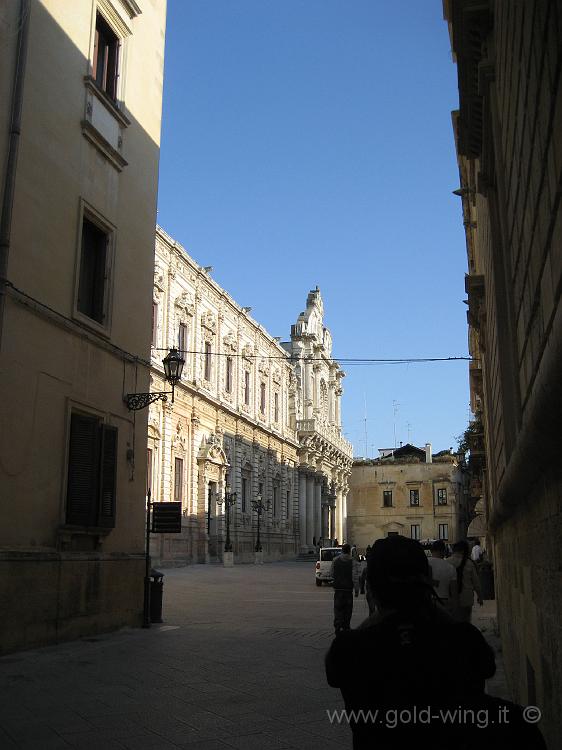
(324, 564)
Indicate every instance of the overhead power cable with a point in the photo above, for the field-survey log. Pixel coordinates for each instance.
(346, 360)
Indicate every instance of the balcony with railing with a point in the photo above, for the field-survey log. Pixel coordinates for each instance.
(329, 432)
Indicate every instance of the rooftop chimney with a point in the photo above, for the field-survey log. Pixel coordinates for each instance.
(428, 458)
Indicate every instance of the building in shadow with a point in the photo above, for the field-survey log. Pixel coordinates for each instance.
(81, 101)
(251, 414)
(508, 133)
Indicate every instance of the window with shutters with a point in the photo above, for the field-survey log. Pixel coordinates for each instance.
(387, 498)
(92, 472)
(443, 531)
(246, 388)
(178, 480)
(442, 497)
(182, 339)
(245, 488)
(415, 531)
(94, 257)
(207, 363)
(106, 58)
(414, 498)
(228, 383)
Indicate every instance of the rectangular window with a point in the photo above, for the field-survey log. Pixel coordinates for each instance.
(228, 385)
(93, 271)
(443, 531)
(262, 398)
(415, 531)
(275, 500)
(288, 506)
(276, 407)
(244, 494)
(106, 58)
(207, 360)
(178, 480)
(387, 499)
(154, 336)
(182, 339)
(149, 471)
(441, 497)
(414, 498)
(92, 472)
(247, 388)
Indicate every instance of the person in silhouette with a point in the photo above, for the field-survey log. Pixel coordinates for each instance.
(393, 666)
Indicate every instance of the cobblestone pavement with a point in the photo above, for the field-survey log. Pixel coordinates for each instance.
(238, 663)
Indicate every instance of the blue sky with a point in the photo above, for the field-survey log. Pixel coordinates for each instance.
(309, 142)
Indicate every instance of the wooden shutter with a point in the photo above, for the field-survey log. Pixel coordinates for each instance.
(83, 463)
(96, 52)
(108, 476)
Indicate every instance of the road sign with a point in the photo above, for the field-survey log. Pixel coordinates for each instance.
(166, 518)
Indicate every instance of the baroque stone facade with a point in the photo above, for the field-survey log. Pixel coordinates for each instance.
(245, 415)
(410, 492)
(508, 133)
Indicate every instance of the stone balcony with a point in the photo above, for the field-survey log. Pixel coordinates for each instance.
(328, 432)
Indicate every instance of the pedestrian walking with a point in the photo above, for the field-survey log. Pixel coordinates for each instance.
(477, 553)
(443, 575)
(391, 668)
(345, 577)
(468, 582)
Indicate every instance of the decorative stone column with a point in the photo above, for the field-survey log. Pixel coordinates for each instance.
(317, 507)
(302, 512)
(332, 518)
(309, 509)
(338, 393)
(325, 518)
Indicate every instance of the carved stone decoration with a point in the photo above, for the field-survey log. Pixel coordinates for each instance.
(184, 305)
(263, 367)
(179, 441)
(209, 322)
(229, 342)
(211, 450)
(248, 353)
(159, 279)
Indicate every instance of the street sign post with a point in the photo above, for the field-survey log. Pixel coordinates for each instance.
(166, 519)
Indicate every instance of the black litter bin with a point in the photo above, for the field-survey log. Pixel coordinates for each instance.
(486, 572)
(156, 589)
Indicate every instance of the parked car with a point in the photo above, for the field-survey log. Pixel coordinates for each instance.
(324, 564)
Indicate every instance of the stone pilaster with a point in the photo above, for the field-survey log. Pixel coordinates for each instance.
(317, 507)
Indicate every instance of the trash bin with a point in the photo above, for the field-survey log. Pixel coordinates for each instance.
(486, 573)
(156, 589)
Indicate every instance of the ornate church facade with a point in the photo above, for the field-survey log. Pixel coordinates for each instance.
(251, 414)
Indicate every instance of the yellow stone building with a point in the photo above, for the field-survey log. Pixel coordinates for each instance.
(410, 492)
(81, 93)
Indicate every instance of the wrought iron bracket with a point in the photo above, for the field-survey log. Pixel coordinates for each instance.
(136, 401)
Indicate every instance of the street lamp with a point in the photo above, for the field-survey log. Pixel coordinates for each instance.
(259, 507)
(229, 500)
(173, 364)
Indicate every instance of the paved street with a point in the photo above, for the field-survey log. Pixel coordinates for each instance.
(238, 663)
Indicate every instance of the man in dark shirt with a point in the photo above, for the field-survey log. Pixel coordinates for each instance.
(411, 675)
(345, 577)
